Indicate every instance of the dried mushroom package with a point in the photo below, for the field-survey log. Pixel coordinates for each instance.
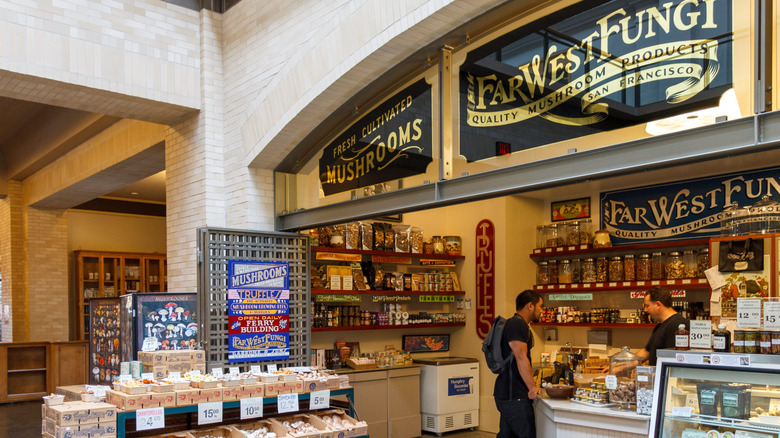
(324, 236)
(379, 236)
(401, 233)
(366, 236)
(337, 236)
(389, 237)
(353, 235)
(416, 240)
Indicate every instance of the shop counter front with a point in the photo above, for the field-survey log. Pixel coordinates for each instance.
(564, 418)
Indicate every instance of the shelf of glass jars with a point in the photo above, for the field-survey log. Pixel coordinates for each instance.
(384, 292)
(318, 249)
(595, 324)
(568, 250)
(387, 327)
(685, 283)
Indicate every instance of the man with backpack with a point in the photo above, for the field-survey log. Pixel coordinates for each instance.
(515, 388)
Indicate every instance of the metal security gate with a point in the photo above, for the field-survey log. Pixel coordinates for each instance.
(215, 247)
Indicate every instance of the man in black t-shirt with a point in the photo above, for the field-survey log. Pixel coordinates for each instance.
(515, 388)
(658, 304)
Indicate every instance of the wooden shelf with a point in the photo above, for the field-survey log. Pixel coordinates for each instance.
(386, 327)
(30, 370)
(315, 249)
(383, 292)
(688, 283)
(594, 324)
(585, 250)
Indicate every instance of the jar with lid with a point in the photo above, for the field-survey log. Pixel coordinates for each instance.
(586, 232)
(602, 268)
(621, 380)
(645, 382)
(588, 271)
(629, 268)
(540, 236)
(674, 266)
(438, 245)
(658, 266)
(689, 264)
(552, 237)
(552, 265)
(573, 233)
(764, 216)
(644, 268)
(542, 273)
(776, 342)
(616, 268)
(565, 272)
(601, 239)
(752, 338)
(702, 262)
(734, 220)
(739, 341)
(765, 342)
(576, 271)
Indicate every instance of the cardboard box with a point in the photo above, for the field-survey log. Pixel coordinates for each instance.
(177, 356)
(272, 389)
(200, 367)
(315, 384)
(238, 429)
(131, 402)
(160, 371)
(76, 413)
(181, 367)
(198, 356)
(89, 430)
(232, 393)
(333, 382)
(219, 431)
(292, 419)
(249, 391)
(295, 386)
(195, 396)
(152, 358)
(357, 428)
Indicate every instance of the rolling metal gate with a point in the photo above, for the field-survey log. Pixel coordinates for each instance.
(215, 247)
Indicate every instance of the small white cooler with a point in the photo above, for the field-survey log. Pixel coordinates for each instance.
(449, 392)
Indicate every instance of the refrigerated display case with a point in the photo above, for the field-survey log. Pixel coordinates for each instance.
(167, 321)
(716, 395)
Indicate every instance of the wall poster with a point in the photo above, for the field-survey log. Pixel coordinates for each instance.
(588, 69)
(258, 311)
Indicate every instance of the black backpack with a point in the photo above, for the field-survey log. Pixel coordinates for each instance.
(491, 346)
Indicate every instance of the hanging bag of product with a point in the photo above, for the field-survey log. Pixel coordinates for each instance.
(741, 255)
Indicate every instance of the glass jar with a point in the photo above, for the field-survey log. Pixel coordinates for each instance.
(674, 266)
(586, 232)
(542, 273)
(752, 338)
(576, 271)
(553, 269)
(428, 247)
(702, 262)
(616, 269)
(689, 263)
(601, 239)
(645, 382)
(602, 268)
(629, 268)
(621, 380)
(588, 271)
(739, 341)
(438, 245)
(644, 268)
(573, 233)
(765, 342)
(565, 272)
(764, 216)
(540, 236)
(776, 342)
(734, 220)
(658, 266)
(552, 237)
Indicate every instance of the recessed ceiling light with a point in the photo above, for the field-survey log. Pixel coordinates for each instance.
(134, 193)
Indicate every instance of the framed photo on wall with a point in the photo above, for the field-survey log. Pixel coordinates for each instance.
(571, 209)
(420, 343)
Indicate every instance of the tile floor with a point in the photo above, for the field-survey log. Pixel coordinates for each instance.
(23, 420)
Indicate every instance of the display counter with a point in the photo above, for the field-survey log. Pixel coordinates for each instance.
(564, 418)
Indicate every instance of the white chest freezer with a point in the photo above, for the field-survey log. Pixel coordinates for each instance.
(449, 393)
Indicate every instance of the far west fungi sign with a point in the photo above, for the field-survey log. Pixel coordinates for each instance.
(582, 71)
(392, 141)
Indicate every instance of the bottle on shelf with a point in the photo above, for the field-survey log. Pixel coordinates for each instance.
(721, 340)
(681, 338)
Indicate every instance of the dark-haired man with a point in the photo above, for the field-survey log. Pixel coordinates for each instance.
(658, 304)
(515, 388)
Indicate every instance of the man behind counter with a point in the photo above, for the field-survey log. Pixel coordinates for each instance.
(658, 304)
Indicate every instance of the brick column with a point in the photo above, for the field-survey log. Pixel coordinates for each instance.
(12, 265)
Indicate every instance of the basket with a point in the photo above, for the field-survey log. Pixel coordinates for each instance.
(249, 380)
(230, 383)
(559, 391)
(134, 389)
(53, 400)
(165, 387)
(205, 385)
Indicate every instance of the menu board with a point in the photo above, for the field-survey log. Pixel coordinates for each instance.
(258, 311)
(104, 333)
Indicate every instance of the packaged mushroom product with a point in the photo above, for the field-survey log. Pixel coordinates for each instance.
(389, 244)
(366, 236)
(709, 398)
(379, 236)
(645, 377)
(416, 240)
(353, 235)
(337, 236)
(401, 233)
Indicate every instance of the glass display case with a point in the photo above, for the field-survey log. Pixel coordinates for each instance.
(716, 395)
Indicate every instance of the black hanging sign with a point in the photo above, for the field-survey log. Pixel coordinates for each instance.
(392, 141)
(590, 69)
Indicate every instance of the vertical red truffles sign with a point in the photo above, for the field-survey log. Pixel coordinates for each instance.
(486, 287)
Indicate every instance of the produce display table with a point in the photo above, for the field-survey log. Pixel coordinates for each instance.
(124, 416)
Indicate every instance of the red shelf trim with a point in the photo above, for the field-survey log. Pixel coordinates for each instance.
(386, 253)
(383, 292)
(386, 327)
(564, 250)
(595, 324)
(695, 283)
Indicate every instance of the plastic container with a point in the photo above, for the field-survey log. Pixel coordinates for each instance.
(576, 271)
(616, 269)
(589, 271)
(675, 268)
(629, 268)
(689, 264)
(565, 273)
(452, 245)
(765, 342)
(602, 268)
(586, 232)
(644, 268)
(658, 266)
(621, 380)
(438, 245)
(645, 382)
(542, 273)
(573, 236)
(739, 341)
(552, 265)
(540, 236)
(775, 342)
(552, 237)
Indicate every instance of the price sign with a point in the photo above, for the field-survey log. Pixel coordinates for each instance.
(255, 369)
(251, 407)
(610, 381)
(748, 313)
(148, 419)
(216, 372)
(701, 334)
(682, 411)
(235, 370)
(147, 376)
(272, 368)
(150, 344)
(174, 375)
(125, 378)
(209, 413)
(98, 390)
(319, 399)
(194, 372)
(287, 403)
(772, 315)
